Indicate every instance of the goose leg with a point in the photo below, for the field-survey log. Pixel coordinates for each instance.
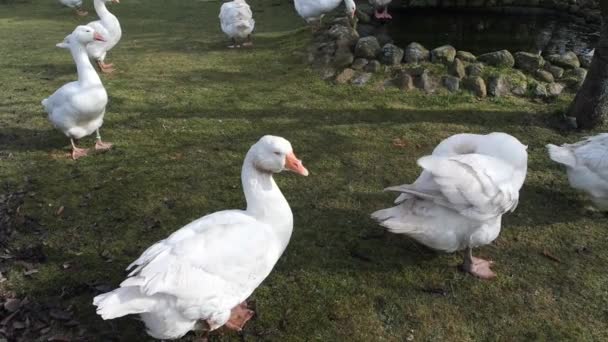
(377, 14)
(476, 266)
(234, 44)
(239, 315)
(78, 152)
(248, 42)
(386, 15)
(105, 68)
(100, 145)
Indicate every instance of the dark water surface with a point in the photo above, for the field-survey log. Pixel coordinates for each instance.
(481, 32)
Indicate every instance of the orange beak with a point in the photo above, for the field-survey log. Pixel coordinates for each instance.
(294, 164)
(97, 36)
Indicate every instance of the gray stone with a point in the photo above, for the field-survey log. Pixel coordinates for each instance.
(344, 21)
(359, 63)
(544, 75)
(321, 61)
(367, 47)
(466, 56)
(585, 61)
(383, 38)
(363, 17)
(567, 60)
(365, 30)
(540, 90)
(391, 55)
(475, 84)
(373, 66)
(343, 35)
(362, 78)
(519, 90)
(415, 53)
(498, 86)
(555, 89)
(425, 81)
(326, 72)
(403, 81)
(451, 83)
(343, 58)
(502, 58)
(345, 76)
(475, 69)
(574, 78)
(457, 69)
(443, 54)
(416, 71)
(556, 71)
(529, 62)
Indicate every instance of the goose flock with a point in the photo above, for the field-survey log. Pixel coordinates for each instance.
(199, 278)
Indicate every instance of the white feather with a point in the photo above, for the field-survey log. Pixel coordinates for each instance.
(466, 186)
(208, 267)
(236, 19)
(108, 27)
(586, 163)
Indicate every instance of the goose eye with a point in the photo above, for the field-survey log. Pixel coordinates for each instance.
(277, 153)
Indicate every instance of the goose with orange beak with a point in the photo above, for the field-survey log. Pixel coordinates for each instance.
(78, 108)
(109, 27)
(200, 277)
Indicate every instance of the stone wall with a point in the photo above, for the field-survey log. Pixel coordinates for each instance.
(587, 9)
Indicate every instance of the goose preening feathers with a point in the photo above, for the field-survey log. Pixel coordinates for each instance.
(109, 27)
(200, 276)
(77, 108)
(313, 10)
(467, 184)
(236, 20)
(586, 163)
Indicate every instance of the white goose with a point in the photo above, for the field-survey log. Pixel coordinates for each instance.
(76, 5)
(237, 21)
(77, 108)
(381, 5)
(587, 166)
(314, 10)
(458, 200)
(109, 27)
(206, 270)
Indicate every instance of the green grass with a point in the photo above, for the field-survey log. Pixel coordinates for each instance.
(183, 111)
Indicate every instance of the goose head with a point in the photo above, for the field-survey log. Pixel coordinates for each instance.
(350, 8)
(83, 35)
(272, 154)
(505, 147)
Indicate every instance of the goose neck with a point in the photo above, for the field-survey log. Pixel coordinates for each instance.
(86, 73)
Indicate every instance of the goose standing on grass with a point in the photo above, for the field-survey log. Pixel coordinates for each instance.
(109, 27)
(237, 22)
(381, 5)
(587, 166)
(77, 108)
(458, 200)
(200, 276)
(76, 5)
(313, 10)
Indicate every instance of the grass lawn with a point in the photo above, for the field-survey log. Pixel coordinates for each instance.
(183, 111)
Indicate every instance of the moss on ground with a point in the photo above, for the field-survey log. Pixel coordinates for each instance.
(183, 111)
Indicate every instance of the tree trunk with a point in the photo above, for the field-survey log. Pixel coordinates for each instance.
(590, 106)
